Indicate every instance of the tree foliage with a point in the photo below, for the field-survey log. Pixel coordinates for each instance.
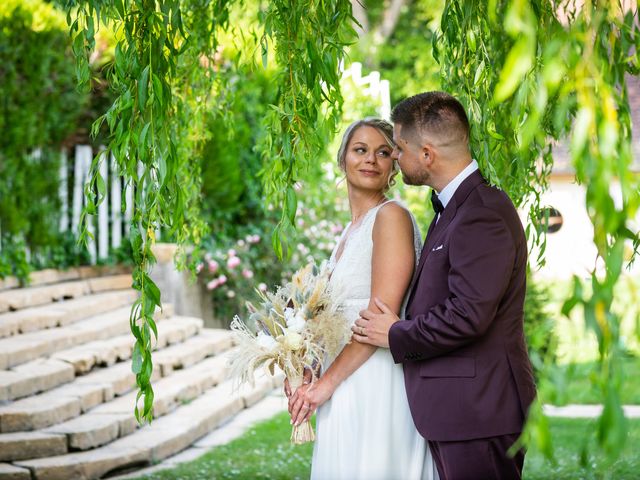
(531, 72)
(40, 109)
(162, 73)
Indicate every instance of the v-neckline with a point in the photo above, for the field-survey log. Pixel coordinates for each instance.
(347, 234)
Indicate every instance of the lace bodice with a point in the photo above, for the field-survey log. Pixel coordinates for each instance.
(351, 273)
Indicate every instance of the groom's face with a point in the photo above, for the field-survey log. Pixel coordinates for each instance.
(410, 156)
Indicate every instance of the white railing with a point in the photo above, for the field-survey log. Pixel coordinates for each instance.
(109, 225)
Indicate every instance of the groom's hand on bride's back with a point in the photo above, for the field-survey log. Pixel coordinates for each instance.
(373, 328)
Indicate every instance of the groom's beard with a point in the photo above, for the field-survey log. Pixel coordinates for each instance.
(417, 179)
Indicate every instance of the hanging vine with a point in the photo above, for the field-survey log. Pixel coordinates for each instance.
(309, 38)
(163, 73)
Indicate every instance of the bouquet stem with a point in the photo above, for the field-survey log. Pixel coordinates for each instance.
(302, 433)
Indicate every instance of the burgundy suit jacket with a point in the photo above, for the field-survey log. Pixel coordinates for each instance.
(467, 372)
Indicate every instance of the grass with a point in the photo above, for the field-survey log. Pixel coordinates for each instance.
(569, 437)
(264, 452)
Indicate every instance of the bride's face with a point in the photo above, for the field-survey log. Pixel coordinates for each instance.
(368, 163)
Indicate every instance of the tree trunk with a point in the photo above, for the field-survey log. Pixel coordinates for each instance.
(360, 14)
(389, 20)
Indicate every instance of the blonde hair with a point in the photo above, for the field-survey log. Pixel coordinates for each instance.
(386, 130)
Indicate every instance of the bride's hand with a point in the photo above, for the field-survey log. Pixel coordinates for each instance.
(306, 378)
(307, 399)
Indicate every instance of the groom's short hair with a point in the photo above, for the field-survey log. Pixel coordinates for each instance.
(436, 115)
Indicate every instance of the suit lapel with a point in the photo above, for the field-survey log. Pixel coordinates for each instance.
(436, 230)
(423, 254)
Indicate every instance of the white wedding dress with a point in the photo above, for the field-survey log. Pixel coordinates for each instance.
(365, 431)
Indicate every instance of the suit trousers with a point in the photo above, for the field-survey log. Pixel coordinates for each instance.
(479, 459)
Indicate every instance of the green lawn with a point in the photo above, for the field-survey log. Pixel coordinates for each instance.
(264, 452)
(569, 442)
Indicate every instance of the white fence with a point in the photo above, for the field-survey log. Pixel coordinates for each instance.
(109, 225)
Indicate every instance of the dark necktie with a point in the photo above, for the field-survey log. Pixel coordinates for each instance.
(437, 204)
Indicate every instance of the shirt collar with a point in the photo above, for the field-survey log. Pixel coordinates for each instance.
(447, 192)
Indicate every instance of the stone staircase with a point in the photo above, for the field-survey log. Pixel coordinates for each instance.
(67, 391)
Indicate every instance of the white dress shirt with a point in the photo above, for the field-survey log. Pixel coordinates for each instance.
(447, 192)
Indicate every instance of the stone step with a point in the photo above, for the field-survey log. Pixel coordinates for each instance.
(179, 387)
(108, 421)
(24, 347)
(183, 355)
(100, 386)
(11, 472)
(33, 377)
(21, 298)
(107, 352)
(111, 282)
(152, 443)
(63, 313)
(25, 445)
(49, 276)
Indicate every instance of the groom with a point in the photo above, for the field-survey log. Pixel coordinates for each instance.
(468, 377)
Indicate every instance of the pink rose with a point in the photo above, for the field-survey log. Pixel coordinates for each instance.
(247, 273)
(231, 253)
(254, 239)
(262, 287)
(233, 262)
(199, 267)
(213, 284)
(222, 279)
(213, 266)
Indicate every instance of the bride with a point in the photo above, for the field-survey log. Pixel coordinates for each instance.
(364, 426)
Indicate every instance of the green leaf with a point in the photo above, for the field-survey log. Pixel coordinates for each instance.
(518, 63)
(143, 85)
(291, 204)
(152, 291)
(158, 91)
(136, 359)
(142, 139)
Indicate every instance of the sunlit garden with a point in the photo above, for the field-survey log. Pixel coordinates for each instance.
(210, 129)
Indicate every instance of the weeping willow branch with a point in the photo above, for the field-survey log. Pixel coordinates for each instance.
(162, 71)
(160, 43)
(309, 39)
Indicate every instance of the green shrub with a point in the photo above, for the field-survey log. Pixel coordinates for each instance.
(40, 110)
(40, 106)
